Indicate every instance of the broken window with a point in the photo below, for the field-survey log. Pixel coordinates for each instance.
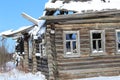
(97, 41)
(20, 45)
(118, 40)
(42, 48)
(71, 42)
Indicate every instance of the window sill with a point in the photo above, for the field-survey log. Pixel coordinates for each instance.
(71, 55)
(98, 54)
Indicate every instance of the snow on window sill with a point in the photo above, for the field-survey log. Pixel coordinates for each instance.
(70, 54)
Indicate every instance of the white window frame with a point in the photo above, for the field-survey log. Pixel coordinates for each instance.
(70, 54)
(102, 45)
(118, 50)
(42, 48)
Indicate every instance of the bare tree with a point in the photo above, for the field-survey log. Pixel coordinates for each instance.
(4, 54)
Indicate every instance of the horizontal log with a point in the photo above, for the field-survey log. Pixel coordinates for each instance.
(83, 16)
(89, 66)
(99, 20)
(76, 74)
(82, 71)
(89, 58)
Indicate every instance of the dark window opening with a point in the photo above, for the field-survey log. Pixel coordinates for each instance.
(97, 42)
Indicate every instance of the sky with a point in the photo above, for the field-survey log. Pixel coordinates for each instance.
(10, 14)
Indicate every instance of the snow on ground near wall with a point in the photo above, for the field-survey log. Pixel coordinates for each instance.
(19, 75)
(15, 74)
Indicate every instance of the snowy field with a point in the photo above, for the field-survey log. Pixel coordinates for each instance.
(14, 74)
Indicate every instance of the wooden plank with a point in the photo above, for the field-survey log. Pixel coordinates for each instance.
(82, 16)
(90, 66)
(76, 74)
(90, 70)
(99, 20)
(89, 58)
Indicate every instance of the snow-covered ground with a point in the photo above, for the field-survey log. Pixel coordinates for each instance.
(15, 74)
(19, 75)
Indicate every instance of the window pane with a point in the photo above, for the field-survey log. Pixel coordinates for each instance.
(74, 47)
(68, 47)
(71, 36)
(94, 45)
(99, 45)
(96, 35)
(118, 46)
(118, 34)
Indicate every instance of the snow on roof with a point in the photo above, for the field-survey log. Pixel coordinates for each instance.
(10, 33)
(79, 6)
(38, 28)
(6, 32)
(39, 23)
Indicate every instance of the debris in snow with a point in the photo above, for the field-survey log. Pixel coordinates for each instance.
(17, 58)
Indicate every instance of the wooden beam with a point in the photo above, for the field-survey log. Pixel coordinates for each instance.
(83, 21)
(96, 14)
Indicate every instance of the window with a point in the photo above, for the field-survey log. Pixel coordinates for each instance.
(118, 40)
(71, 43)
(97, 41)
(42, 49)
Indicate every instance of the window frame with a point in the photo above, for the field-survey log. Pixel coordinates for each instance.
(42, 48)
(118, 51)
(102, 45)
(77, 42)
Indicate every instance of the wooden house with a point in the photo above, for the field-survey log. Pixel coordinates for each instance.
(83, 45)
(74, 46)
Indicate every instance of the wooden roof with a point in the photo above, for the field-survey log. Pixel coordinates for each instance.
(97, 16)
(18, 32)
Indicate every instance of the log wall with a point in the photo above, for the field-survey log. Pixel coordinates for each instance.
(87, 65)
(42, 65)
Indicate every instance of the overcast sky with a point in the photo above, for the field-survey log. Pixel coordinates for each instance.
(10, 13)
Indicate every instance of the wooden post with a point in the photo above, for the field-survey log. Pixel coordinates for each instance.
(51, 75)
(51, 53)
(25, 61)
(34, 58)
